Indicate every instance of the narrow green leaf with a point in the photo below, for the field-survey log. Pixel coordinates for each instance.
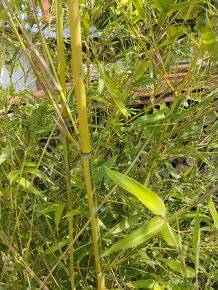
(162, 18)
(139, 7)
(204, 217)
(144, 284)
(115, 94)
(147, 197)
(38, 173)
(73, 212)
(28, 186)
(7, 152)
(162, 5)
(141, 69)
(181, 5)
(213, 211)
(138, 236)
(104, 162)
(209, 41)
(13, 176)
(196, 242)
(3, 102)
(176, 266)
(169, 235)
(151, 118)
(58, 214)
(123, 225)
(56, 247)
(172, 170)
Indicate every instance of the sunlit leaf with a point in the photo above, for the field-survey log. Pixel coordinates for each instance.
(7, 152)
(169, 235)
(138, 236)
(213, 211)
(123, 225)
(115, 94)
(38, 173)
(147, 197)
(162, 5)
(13, 176)
(204, 217)
(177, 266)
(26, 184)
(144, 284)
(139, 7)
(150, 118)
(196, 242)
(209, 41)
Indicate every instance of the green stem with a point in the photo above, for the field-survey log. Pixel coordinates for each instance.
(194, 203)
(77, 69)
(62, 68)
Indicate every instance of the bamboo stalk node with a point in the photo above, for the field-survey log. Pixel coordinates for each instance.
(87, 155)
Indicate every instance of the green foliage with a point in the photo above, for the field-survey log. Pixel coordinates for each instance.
(151, 83)
(147, 197)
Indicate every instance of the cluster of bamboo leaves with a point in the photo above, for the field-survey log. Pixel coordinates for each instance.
(96, 193)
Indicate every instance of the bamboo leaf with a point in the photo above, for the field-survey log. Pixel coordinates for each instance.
(56, 247)
(196, 242)
(209, 41)
(123, 225)
(73, 212)
(144, 284)
(147, 197)
(58, 215)
(7, 152)
(137, 237)
(39, 173)
(181, 5)
(2, 104)
(139, 7)
(176, 266)
(26, 184)
(162, 5)
(169, 235)
(115, 94)
(151, 118)
(213, 211)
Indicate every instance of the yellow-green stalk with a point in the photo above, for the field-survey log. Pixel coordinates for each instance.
(62, 67)
(77, 69)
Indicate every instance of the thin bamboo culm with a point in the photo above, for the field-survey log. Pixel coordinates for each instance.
(77, 70)
(62, 69)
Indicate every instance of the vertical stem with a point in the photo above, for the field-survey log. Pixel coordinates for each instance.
(77, 69)
(62, 67)
(60, 44)
(69, 207)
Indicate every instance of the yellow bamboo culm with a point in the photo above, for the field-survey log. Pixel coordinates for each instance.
(62, 72)
(77, 70)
